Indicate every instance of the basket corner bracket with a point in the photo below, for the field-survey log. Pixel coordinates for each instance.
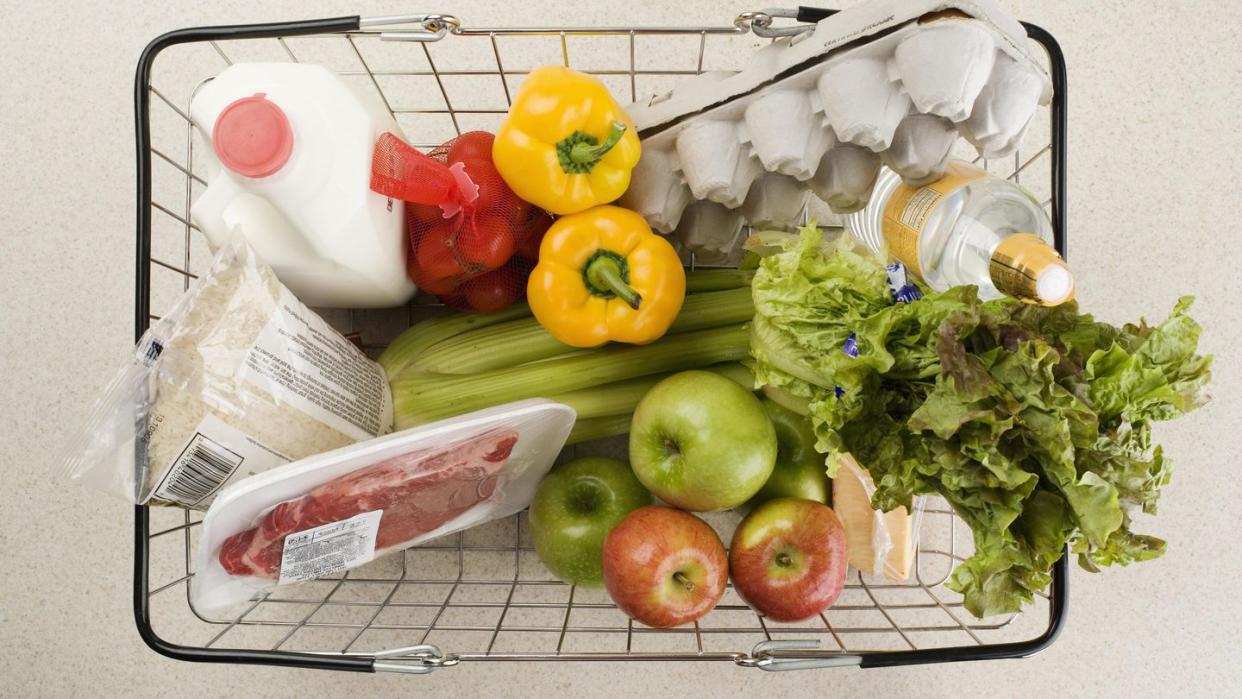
(782, 655)
(414, 660)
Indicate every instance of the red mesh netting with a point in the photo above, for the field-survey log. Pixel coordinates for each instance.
(473, 242)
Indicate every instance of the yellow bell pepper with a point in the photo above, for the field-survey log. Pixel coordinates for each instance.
(566, 145)
(603, 275)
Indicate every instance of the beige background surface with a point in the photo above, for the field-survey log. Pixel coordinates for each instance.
(1154, 180)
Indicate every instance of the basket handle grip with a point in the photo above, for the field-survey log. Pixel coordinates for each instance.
(812, 15)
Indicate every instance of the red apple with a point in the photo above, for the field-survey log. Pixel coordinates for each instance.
(788, 558)
(664, 567)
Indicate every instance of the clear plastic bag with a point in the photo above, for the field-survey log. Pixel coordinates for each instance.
(333, 512)
(238, 377)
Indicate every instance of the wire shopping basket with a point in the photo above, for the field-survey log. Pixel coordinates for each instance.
(482, 594)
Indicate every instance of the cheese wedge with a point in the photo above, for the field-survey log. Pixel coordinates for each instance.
(878, 542)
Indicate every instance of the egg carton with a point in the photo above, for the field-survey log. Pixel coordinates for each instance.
(889, 82)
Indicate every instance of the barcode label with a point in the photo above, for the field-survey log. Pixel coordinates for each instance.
(213, 456)
(204, 465)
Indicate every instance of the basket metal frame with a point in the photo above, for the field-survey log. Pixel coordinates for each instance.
(791, 648)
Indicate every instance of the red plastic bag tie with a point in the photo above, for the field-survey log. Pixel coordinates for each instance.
(466, 193)
(400, 171)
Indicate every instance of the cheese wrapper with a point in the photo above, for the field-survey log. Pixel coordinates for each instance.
(880, 543)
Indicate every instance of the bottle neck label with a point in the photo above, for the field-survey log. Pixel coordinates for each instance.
(1018, 262)
(909, 208)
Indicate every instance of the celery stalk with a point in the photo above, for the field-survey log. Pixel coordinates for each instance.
(797, 404)
(428, 334)
(721, 279)
(599, 428)
(507, 344)
(622, 397)
(421, 336)
(739, 373)
(617, 398)
(520, 341)
(420, 398)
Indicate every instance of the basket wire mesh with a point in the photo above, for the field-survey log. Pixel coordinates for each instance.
(482, 594)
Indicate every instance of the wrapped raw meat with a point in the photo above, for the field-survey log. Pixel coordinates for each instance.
(330, 513)
(417, 493)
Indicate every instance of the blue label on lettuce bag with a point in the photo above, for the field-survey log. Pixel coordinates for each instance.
(900, 285)
(850, 348)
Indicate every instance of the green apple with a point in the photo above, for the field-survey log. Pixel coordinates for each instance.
(701, 442)
(575, 507)
(800, 471)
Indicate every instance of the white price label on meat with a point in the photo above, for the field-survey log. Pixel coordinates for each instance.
(215, 455)
(330, 548)
(300, 359)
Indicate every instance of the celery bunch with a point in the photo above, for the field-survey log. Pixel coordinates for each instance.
(459, 363)
(519, 341)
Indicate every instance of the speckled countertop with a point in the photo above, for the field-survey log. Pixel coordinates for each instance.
(1154, 173)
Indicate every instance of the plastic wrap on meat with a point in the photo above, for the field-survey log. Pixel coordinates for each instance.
(418, 492)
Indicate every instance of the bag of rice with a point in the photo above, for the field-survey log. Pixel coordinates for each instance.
(238, 378)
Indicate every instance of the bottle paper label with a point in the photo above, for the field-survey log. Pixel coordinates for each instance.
(907, 211)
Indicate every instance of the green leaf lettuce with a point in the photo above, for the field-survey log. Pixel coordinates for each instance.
(1033, 423)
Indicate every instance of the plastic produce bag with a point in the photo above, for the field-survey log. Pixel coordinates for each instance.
(238, 377)
(473, 242)
(329, 513)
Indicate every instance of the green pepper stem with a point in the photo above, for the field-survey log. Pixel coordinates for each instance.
(604, 273)
(586, 154)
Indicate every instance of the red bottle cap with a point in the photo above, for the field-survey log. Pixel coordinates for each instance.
(252, 136)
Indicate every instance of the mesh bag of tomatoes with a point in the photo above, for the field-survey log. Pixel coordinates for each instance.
(473, 242)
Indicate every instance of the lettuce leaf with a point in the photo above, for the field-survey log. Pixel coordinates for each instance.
(1033, 423)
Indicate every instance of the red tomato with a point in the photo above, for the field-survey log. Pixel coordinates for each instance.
(472, 145)
(432, 269)
(422, 215)
(435, 260)
(493, 291)
(483, 173)
(494, 194)
(486, 239)
(435, 287)
(533, 236)
(427, 283)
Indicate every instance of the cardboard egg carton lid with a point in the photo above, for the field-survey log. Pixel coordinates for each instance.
(785, 60)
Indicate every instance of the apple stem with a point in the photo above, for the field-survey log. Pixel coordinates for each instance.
(684, 581)
(671, 448)
(783, 560)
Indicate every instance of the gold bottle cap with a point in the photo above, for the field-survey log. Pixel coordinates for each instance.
(1026, 267)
